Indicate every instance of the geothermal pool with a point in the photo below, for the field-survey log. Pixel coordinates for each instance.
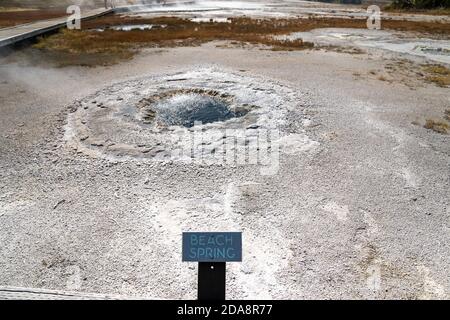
(189, 107)
(148, 119)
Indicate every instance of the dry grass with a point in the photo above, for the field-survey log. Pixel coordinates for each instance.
(350, 50)
(437, 69)
(441, 81)
(274, 26)
(432, 12)
(15, 9)
(447, 114)
(117, 45)
(289, 45)
(110, 46)
(438, 74)
(426, 27)
(409, 74)
(437, 126)
(9, 18)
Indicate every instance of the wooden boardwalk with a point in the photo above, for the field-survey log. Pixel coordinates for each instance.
(21, 32)
(15, 293)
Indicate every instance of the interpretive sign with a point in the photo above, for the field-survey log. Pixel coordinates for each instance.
(212, 246)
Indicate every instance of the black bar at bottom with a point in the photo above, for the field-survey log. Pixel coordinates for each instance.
(211, 281)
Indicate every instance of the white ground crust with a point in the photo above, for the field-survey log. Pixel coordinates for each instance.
(109, 124)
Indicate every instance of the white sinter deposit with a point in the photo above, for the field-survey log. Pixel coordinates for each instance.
(156, 118)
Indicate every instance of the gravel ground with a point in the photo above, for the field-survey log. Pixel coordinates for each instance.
(361, 212)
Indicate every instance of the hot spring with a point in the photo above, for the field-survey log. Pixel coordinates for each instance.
(187, 107)
(152, 117)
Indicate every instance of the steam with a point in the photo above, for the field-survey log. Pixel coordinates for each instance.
(36, 80)
(143, 6)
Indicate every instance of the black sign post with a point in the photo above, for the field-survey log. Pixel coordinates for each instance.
(212, 250)
(211, 280)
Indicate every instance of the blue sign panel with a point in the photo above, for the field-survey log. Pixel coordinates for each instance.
(212, 246)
